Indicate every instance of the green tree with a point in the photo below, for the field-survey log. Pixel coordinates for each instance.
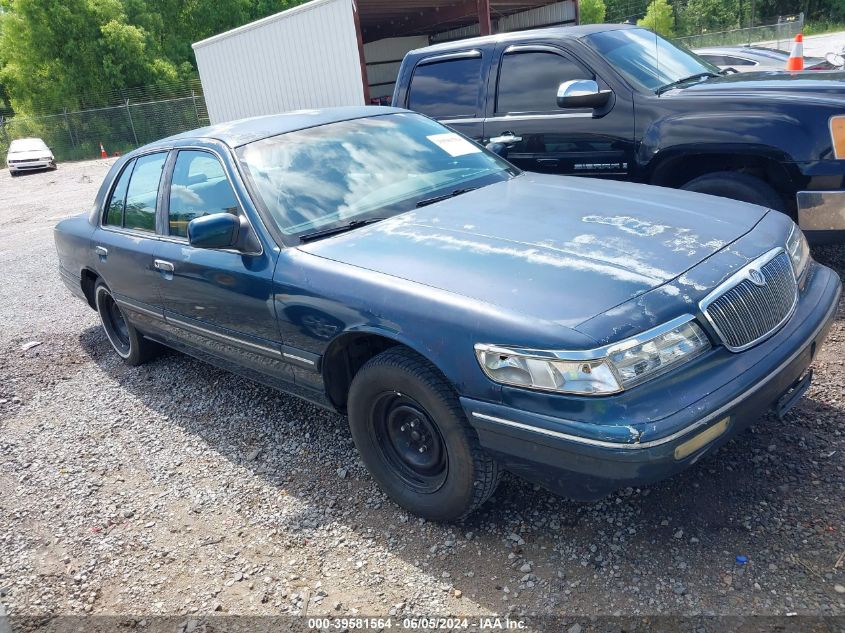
(592, 11)
(659, 18)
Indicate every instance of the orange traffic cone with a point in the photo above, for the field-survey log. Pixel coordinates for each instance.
(103, 152)
(796, 57)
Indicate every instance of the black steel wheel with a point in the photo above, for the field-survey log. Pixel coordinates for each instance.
(413, 437)
(129, 344)
(409, 441)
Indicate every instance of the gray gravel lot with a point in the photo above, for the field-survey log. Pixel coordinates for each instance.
(176, 488)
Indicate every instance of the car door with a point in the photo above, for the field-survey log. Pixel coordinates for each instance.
(542, 137)
(448, 88)
(125, 240)
(217, 302)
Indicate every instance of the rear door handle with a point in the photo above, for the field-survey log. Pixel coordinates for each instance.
(163, 266)
(102, 251)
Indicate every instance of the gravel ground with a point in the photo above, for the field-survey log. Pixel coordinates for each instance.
(179, 489)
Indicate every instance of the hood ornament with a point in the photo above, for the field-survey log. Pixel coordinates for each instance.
(756, 277)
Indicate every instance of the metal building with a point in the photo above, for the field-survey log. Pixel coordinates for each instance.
(345, 52)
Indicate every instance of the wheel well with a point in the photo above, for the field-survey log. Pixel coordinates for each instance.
(345, 356)
(677, 171)
(89, 280)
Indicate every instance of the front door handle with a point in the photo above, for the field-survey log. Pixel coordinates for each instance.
(102, 252)
(506, 138)
(163, 266)
(548, 162)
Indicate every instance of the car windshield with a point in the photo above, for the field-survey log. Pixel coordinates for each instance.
(648, 60)
(332, 175)
(27, 145)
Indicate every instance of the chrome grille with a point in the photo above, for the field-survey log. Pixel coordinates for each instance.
(744, 311)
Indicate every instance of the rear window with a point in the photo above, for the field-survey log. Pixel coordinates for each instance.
(446, 89)
(114, 209)
(142, 193)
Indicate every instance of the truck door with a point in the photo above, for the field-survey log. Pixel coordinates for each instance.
(448, 88)
(542, 137)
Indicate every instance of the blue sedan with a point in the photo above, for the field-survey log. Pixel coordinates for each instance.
(466, 317)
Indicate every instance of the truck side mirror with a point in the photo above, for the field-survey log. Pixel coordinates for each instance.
(582, 93)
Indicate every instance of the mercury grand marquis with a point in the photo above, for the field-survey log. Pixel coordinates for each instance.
(466, 317)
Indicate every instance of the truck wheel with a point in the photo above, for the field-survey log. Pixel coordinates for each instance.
(738, 186)
(129, 344)
(414, 438)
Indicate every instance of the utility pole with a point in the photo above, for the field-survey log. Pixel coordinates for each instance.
(131, 123)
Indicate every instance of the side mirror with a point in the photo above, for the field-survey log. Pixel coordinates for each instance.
(582, 93)
(219, 230)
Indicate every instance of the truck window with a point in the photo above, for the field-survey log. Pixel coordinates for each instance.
(528, 82)
(446, 89)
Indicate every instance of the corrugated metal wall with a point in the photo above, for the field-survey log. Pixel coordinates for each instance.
(306, 57)
(383, 60)
(557, 13)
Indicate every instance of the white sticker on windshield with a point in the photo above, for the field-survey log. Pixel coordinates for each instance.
(453, 144)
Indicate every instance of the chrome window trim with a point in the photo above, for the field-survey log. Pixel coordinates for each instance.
(180, 240)
(687, 429)
(588, 354)
(733, 281)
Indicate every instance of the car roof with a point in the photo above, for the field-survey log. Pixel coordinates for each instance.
(243, 131)
(560, 32)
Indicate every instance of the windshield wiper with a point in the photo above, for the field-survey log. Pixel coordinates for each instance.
(675, 84)
(342, 228)
(427, 201)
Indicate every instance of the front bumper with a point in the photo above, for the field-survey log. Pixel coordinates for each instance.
(821, 215)
(32, 165)
(551, 452)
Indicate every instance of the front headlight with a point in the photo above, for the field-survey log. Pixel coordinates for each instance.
(596, 372)
(798, 249)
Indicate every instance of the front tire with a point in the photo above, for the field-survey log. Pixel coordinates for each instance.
(414, 439)
(129, 344)
(737, 186)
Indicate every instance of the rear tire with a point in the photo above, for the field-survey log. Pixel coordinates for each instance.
(129, 344)
(414, 438)
(737, 186)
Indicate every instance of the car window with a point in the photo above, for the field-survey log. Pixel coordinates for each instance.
(646, 59)
(27, 145)
(114, 209)
(716, 60)
(142, 193)
(446, 89)
(199, 187)
(373, 167)
(528, 82)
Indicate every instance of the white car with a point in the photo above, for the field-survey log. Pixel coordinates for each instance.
(27, 154)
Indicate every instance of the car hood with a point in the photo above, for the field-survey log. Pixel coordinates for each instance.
(33, 154)
(554, 248)
(770, 84)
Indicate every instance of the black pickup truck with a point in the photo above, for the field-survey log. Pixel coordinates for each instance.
(615, 101)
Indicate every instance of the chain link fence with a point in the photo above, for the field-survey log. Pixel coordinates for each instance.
(137, 120)
(780, 34)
